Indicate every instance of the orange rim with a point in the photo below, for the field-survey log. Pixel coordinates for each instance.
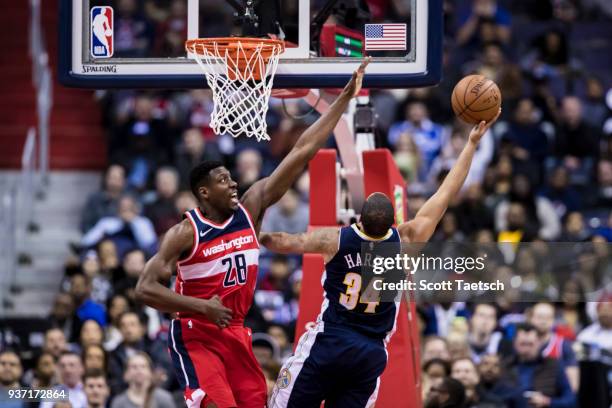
(249, 45)
(238, 62)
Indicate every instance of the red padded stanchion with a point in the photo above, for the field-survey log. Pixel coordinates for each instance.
(323, 179)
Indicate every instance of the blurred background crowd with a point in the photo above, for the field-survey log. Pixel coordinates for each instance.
(543, 173)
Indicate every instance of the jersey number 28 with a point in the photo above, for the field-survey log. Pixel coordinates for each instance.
(236, 270)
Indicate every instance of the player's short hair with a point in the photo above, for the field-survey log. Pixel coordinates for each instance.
(377, 215)
(200, 174)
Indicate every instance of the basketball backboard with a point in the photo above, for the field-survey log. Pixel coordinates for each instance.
(139, 43)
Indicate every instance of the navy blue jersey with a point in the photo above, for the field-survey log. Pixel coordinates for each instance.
(354, 322)
(348, 302)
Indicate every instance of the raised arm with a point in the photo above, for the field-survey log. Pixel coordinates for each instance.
(424, 223)
(152, 290)
(269, 190)
(322, 241)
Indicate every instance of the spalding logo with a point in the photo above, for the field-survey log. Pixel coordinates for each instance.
(476, 89)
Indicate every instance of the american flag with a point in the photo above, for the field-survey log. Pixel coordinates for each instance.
(385, 37)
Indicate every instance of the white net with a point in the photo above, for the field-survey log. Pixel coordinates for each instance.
(240, 76)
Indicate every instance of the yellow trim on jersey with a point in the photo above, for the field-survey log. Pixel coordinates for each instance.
(369, 238)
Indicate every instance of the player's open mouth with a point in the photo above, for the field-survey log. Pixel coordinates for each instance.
(234, 198)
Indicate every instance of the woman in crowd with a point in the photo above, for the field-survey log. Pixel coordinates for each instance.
(91, 334)
(117, 305)
(571, 315)
(142, 391)
(94, 358)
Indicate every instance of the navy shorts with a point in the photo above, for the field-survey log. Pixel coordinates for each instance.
(332, 364)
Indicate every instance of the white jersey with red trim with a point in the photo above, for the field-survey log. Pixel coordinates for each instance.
(224, 261)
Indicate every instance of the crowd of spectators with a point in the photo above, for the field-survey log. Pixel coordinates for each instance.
(543, 173)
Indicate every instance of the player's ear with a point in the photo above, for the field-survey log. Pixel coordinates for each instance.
(203, 191)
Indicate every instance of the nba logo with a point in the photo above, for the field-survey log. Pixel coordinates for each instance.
(101, 32)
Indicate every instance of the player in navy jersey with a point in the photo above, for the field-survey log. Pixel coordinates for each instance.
(340, 359)
(215, 251)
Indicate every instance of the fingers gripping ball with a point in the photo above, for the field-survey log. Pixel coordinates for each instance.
(476, 98)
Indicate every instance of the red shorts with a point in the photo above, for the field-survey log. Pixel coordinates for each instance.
(216, 365)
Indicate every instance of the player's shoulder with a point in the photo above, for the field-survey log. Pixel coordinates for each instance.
(180, 238)
(183, 230)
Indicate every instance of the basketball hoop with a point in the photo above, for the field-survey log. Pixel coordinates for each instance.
(239, 72)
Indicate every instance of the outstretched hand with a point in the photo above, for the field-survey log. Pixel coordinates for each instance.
(480, 129)
(354, 85)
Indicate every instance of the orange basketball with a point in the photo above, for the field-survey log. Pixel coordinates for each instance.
(476, 98)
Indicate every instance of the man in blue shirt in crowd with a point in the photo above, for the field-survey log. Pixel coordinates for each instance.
(429, 137)
(540, 381)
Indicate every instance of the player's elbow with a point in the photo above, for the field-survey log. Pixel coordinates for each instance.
(143, 291)
(140, 293)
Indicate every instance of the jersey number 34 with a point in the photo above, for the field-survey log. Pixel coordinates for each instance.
(349, 299)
